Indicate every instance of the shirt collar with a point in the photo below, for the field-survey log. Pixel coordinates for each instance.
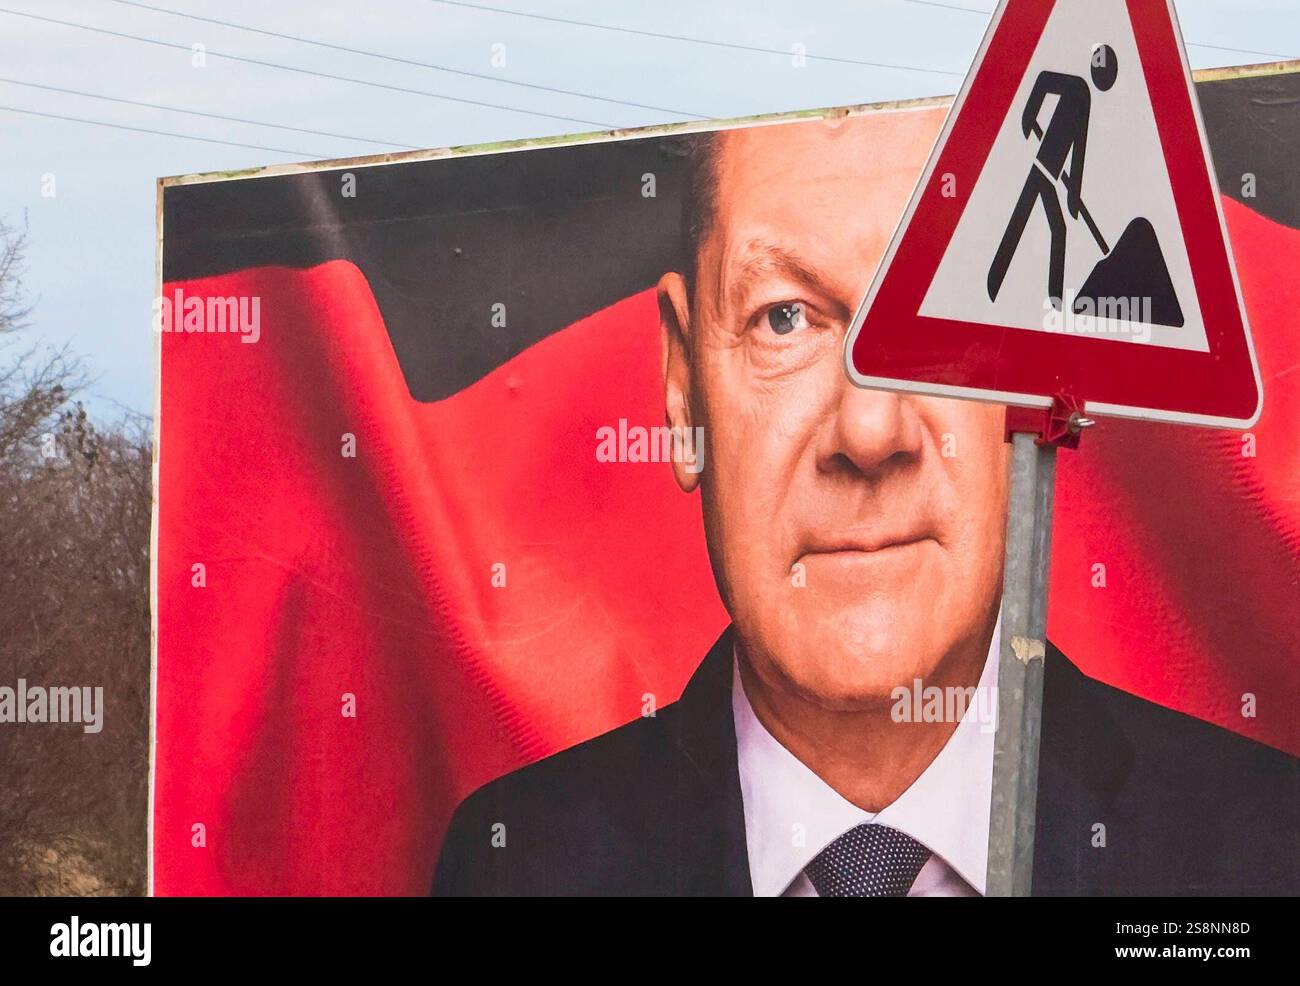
(791, 814)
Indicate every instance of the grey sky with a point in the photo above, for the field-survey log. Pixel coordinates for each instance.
(91, 259)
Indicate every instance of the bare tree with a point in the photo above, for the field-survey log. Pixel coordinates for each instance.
(13, 251)
(74, 611)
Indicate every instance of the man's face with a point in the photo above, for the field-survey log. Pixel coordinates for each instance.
(856, 536)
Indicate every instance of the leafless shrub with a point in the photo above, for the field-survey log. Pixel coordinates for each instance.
(74, 611)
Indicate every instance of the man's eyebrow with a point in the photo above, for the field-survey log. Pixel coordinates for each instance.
(762, 259)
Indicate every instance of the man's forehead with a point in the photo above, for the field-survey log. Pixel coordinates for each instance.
(877, 155)
(816, 199)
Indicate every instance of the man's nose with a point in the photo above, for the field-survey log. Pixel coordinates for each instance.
(873, 431)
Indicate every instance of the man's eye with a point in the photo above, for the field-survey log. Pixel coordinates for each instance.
(785, 318)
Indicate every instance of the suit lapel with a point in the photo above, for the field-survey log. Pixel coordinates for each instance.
(1084, 762)
(710, 837)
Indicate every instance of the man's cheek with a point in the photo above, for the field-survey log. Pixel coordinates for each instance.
(979, 523)
(736, 421)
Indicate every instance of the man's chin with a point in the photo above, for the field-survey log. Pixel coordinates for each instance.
(847, 666)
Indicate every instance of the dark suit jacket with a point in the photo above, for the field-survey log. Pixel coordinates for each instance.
(654, 807)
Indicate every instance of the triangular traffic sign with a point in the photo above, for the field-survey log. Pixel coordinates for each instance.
(1066, 238)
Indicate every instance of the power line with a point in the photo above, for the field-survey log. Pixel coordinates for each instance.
(1244, 51)
(163, 133)
(698, 41)
(1190, 44)
(949, 6)
(304, 71)
(409, 61)
(213, 116)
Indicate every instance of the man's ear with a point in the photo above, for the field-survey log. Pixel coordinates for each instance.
(675, 337)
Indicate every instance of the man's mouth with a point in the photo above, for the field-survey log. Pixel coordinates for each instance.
(863, 544)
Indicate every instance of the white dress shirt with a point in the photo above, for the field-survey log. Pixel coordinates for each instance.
(791, 814)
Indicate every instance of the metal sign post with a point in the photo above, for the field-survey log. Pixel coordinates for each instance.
(1023, 648)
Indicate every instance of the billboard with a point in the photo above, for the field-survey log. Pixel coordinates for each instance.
(518, 531)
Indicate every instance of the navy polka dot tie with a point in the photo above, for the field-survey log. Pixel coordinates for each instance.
(868, 861)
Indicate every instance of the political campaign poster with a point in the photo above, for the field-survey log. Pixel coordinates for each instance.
(519, 531)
